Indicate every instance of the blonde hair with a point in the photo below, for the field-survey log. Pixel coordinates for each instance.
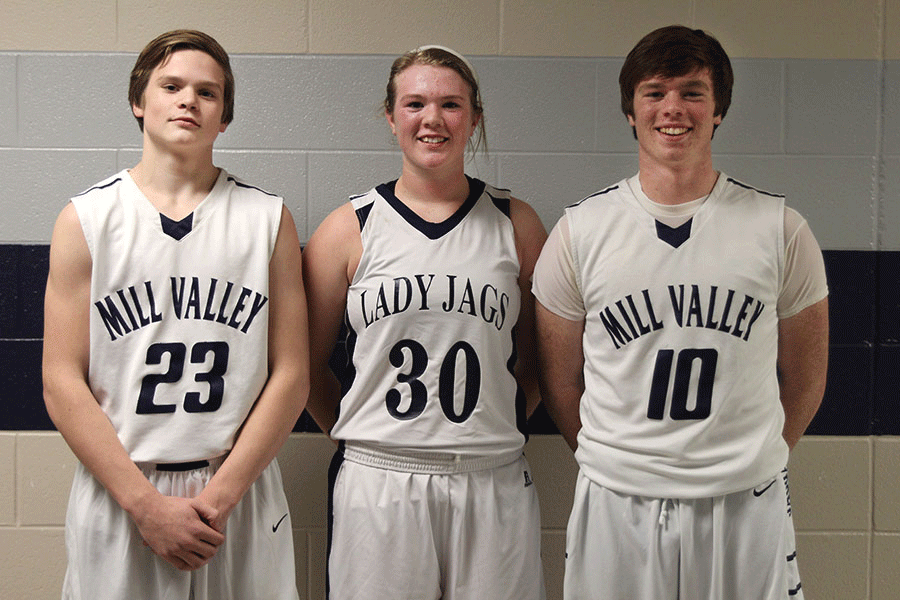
(439, 56)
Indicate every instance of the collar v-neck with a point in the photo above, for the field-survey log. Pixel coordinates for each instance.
(431, 230)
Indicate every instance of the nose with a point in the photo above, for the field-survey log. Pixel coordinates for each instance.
(672, 104)
(187, 98)
(431, 114)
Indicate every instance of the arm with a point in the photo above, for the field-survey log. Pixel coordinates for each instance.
(170, 526)
(530, 236)
(329, 263)
(561, 360)
(282, 399)
(802, 366)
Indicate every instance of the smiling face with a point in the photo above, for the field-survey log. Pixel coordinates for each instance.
(183, 102)
(674, 119)
(432, 117)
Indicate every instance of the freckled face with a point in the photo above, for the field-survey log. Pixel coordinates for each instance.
(432, 117)
(184, 100)
(674, 118)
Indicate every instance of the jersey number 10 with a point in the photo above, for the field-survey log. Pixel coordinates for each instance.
(684, 371)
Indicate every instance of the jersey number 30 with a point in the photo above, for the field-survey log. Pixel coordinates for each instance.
(684, 375)
(446, 381)
(177, 354)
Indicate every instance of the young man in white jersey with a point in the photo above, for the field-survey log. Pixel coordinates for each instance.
(683, 334)
(175, 354)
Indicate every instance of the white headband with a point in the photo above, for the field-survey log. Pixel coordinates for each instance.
(454, 53)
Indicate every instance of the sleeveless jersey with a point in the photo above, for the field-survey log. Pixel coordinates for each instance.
(179, 314)
(430, 322)
(680, 343)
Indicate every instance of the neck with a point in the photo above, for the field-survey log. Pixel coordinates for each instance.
(677, 185)
(174, 187)
(433, 198)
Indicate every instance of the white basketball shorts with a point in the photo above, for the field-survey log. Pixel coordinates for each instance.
(469, 535)
(737, 546)
(109, 561)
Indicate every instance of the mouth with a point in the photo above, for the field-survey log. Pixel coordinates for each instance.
(186, 121)
(432, 139)
(673, 131)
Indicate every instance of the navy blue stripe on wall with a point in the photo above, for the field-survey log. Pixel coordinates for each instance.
(863, 395)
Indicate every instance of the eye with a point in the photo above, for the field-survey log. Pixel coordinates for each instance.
(208, 94)
(451, 104)
(414, 104)
(170, 87)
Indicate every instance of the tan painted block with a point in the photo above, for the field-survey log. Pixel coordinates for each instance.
(304, 461)
(276, 26)
(553, 555)
(301, 562)
(44, 467)
(34, 563)
(7, 478)
(831, 484)
(887, 485)
(885, 574)
(74, 25)
(583, 27)
(554, 471)
(834, 565)
(892, 29)
(833, 29)
(395, 26)
(318, 564)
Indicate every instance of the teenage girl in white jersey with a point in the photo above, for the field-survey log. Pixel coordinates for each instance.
(429, 274)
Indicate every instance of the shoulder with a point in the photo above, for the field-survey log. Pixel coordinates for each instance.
(338, 229)
(735, 188)
(248, 192)
(600, 199)
(110, 183)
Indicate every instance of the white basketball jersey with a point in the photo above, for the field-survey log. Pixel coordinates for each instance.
(681, 337)
(430, 316)
(179, 314)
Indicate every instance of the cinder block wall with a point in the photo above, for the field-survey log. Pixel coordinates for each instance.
(814, 117)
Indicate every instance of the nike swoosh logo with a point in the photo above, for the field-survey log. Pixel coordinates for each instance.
(276, 525)
(759, 493)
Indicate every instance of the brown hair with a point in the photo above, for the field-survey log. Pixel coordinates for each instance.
(439, 57)
(158, 52)
(674, 51)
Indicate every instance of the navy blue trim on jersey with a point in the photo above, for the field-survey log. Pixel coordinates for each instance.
(521, 399)
(362, 214)
(176, 229)
(432, 231)
(751, 188)
(341, 361)
(674, 236)
(238, 183)
(502, 205)
(333, 469)
(594, 195)
(99, 187)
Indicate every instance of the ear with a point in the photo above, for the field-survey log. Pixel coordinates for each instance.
(137, 110)
(631, 120)
(474, 125)
(717, 120)
(222, 127)
(390, 120)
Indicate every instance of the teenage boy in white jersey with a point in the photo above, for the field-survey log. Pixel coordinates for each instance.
(683, 330)
(175, 354)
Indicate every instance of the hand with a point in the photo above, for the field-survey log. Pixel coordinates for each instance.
(177, 532)
(215, 518)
